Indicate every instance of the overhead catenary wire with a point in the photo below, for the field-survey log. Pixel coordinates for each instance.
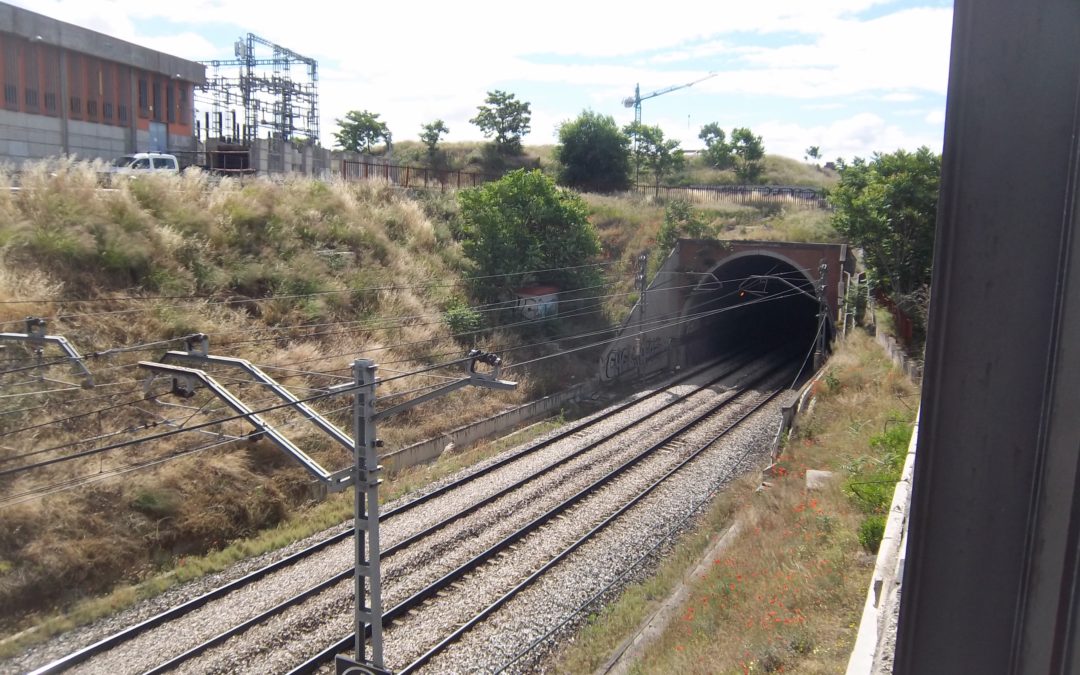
(482, 308)
(174, 432)
(578, 336)
(392, 287)
(204, 425)
(77, 482)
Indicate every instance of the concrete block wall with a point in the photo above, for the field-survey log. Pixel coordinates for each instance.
(87, 140)
(26, 137)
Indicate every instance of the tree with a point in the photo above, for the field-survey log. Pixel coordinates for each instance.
(813, 152)
(717, 150)
(749, 152)
(888, 207)
(360, 130)
(505, 118)
(431, 133)
(523, 222)
(659, 156)
(593, 153)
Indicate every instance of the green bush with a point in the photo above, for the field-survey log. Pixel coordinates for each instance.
(871, 531)
(681, 219)
(461, 318)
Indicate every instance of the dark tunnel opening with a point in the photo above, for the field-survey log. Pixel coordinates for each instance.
(753, 302)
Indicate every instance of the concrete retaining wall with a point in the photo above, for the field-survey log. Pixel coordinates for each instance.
(428, 451)
(910, 366)
(876, 641)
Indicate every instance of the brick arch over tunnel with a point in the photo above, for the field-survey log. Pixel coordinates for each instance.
(692, 309)
(751, 299)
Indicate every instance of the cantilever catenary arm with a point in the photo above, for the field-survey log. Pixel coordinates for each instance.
(281, 392)
(335, 481)
(35, 334)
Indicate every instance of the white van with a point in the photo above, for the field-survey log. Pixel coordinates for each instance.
(145, 161)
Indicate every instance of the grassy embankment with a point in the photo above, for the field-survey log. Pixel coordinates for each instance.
(295, 277)
(778, 171)
(786, 594)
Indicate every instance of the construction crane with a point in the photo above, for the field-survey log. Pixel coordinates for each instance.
(635, 100)
(635, 103)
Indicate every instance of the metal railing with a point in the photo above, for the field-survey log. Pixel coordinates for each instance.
(740, 194)
(407, 176)
(414, 176)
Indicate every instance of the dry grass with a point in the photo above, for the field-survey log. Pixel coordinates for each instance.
(300, 274)
(786, 595)
(779, 170)
(299, 524)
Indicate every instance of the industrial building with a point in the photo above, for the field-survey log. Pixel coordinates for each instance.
(68, 90)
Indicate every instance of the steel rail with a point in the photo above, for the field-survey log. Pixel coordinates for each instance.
(415, 600)
(417, 536)
(129, 633)
(506, 597)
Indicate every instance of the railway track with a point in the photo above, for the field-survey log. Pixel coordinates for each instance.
(585, 467)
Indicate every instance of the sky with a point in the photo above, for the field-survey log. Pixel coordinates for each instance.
(853, 77)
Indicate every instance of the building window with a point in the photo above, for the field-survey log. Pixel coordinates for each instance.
(76, 77)
(50, 59)
(185, 113)
(122, 114)
(170, 101)
(144, 98)
(156, 110)
(31, 78)
(9, 52)
(91, 108)
(106, 111)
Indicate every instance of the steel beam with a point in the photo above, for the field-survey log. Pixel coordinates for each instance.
(991, 579)
(281, 392)
(334, 481)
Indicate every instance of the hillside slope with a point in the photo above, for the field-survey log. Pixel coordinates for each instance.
(299, 277)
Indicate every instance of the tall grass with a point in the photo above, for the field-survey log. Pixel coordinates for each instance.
(297, 274)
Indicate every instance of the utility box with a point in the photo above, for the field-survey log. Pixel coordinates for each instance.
(538, 302)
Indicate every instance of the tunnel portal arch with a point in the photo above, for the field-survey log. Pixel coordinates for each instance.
(712, 297)
(753, 298)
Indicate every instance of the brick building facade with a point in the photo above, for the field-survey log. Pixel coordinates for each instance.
(70, 90)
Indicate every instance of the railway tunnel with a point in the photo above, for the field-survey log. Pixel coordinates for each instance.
(712, 298)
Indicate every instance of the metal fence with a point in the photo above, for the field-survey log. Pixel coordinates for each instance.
(414, 176)
(740, 194)
(422, 177)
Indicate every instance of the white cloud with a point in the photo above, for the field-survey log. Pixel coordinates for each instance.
(935, 117)
(860, 135)
(900, 97)
(414, 62)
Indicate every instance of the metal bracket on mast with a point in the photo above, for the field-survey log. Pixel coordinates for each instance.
(198, 353)
(35, 335)
(183, 384)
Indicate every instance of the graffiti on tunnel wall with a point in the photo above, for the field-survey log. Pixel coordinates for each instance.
(629, 357)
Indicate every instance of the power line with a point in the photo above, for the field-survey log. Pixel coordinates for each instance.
(369, 289)
(173, 432)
